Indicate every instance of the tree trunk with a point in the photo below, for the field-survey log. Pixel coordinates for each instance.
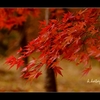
(22, 44)
(50, 83)
(23, 41)
(50, 80)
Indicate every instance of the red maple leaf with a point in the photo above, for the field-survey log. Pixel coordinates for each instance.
(86, 71)
(57, 70)
(19, 50)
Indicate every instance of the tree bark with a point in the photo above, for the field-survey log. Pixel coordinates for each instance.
(23, 42)
(50, 80)
(50, 83)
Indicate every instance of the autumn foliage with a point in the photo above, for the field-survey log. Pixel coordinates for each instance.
(10, 17)
(76, 37)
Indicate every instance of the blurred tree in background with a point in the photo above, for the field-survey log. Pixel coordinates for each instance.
(15, 26)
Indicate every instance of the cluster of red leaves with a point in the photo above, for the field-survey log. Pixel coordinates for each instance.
(76, 37)
(56, 12)
(10, 17)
